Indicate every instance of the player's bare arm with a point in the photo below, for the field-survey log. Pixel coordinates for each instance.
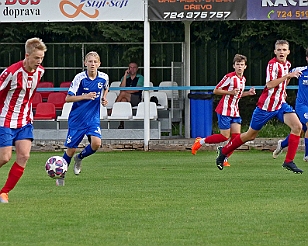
(221, 92)
(251, 92)
(123, 83)
(104, 98)
(275, 82)
(87, 96)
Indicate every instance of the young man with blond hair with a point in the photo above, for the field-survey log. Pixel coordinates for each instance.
(18, 84)
(87, 92)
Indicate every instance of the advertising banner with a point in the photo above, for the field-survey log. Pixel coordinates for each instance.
(159, 10)
(197, 10)
(277, 9)
(71, 10)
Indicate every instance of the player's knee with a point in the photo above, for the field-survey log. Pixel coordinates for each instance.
(296, 129)
(22, 159)
(95, 145)
(5, 159)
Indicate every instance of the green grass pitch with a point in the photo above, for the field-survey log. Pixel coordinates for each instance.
(159, 198)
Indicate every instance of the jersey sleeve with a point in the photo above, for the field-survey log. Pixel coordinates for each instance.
(140, 82)
(75, 85)
(5, 77)
(224, 83)
(106, 85)
(298, 69)
(271, 72)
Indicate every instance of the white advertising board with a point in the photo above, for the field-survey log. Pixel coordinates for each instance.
(71, 10)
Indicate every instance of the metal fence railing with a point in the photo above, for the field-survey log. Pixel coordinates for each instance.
(63, 60)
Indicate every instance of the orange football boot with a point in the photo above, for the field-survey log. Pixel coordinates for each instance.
(226, 163)
(196, 146)
(4, 198)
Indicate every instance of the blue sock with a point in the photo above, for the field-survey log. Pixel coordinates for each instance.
(285, 142)
(306, 146)
(67, 158)
(86, 152)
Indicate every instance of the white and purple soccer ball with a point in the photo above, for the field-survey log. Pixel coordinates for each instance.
(56, 167)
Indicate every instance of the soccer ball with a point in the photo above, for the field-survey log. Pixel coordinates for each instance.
(56, 167)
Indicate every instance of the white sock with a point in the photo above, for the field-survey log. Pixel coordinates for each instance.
(202, 141)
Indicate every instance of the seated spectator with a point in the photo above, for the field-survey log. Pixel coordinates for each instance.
(131, 79)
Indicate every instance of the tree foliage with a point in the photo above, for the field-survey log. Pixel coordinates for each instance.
(253, 32)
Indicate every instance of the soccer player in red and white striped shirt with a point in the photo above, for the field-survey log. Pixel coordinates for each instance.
(272, 104)
(231, 88)
(18, 84)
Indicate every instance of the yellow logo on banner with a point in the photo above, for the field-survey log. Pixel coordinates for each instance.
(78, 10)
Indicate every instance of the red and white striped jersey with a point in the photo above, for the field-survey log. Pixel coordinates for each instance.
(228, 104)
(272, 99)
(17, 87)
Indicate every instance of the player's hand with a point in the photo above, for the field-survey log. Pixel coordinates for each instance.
(294, 74)
(104, 102)
(252, 91)
(236, 92)
(126, 72)
(90, 95)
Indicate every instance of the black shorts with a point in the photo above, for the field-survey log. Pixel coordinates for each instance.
(135, 99)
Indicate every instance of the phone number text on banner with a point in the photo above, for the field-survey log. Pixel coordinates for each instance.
(277, 9)
(197, 10)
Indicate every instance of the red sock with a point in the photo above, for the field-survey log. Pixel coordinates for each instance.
(232, 145)
(233, 135)
(215, 138)
(14, 175)
(292, 147)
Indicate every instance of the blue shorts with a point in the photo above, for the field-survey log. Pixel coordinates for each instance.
(260, 117)
(8, 136)
(302, 113)
(224, 122)
(75, 136)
